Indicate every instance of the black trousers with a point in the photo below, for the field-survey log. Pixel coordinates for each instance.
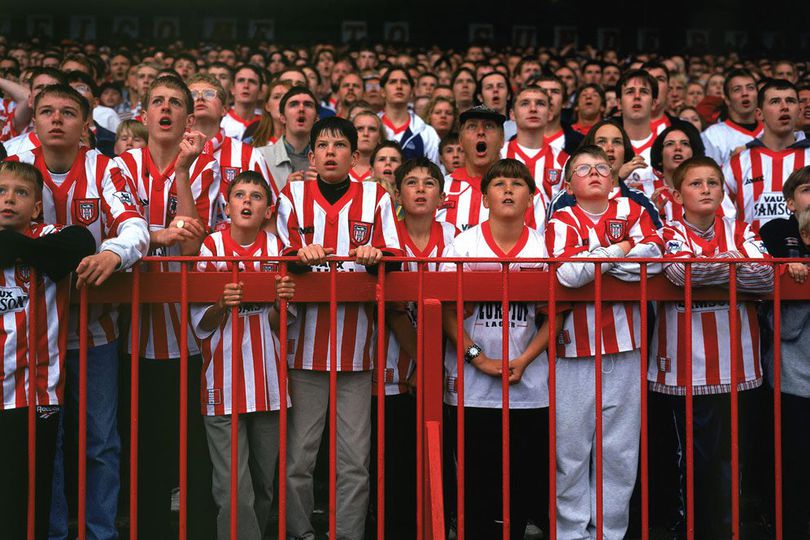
(528, 466)
(14, 470)
(159, 452)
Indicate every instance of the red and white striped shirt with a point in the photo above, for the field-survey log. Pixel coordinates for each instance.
(22, 143)
(358, 177)
(721, 139)
(258, 387)
(555, 140)
(546, 166)
(399, 365)
(7, 106)
(362, 216)
(711, 328)
(51, 333)
(485, 328)
(754, 179)
(657, 126)
(235, 127)
(572, 233)
(95, 194)
(160, 323)
(7, 132)
(643, 179)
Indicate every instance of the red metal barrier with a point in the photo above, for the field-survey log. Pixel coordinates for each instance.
(428, 290)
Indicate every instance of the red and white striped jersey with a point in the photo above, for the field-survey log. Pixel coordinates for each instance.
(7, 132)
(657, 126)
(95, 194)
(160, 323)
(360, 177)
(234, 126)
(7, 106)
(485, 325)
(22, 143)
(399, 366)
(754, 179)
(463, 205)
(258, 387)
(711, 329)
(643, 179)
(572, 233)
(555, 140)
(721, 139)
(362, 216)
(546, 166)
(52, 305)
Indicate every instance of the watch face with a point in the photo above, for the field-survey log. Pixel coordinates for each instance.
(475, 351)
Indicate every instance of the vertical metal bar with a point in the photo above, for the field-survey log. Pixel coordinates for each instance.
(421, 451)
(236, 363)
(777, 398)
(552, 404)
(598, 398)
(645, 485)
(332, 401)
(690, 429)
(135, 325)
(33, 368)
(433, 392)
(282, 421)
(381, 365)
(735, 443)
(505, 320)
(460, 408)
(82, 503)
(183, 517)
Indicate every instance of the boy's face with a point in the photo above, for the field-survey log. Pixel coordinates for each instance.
(675, 150)
(555, 94)
(300, 114)
(589, 183)
(482, 141)
(636, 100)
(397, 89)
(386, 163)
(206, 102)
(127, 141)
(701, 192)
(531, 110)
(800, 199)
(248, 206)
(166, 114)
(420, 193)
(780, 111)
(332, 157)
(246, 87)
(742, 97)
(507, 197)
(19, 204)
(58, 122)
(452, 157)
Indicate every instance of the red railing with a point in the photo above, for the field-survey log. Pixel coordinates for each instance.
(429, 290)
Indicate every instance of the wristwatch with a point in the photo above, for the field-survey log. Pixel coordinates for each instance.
(471, 353)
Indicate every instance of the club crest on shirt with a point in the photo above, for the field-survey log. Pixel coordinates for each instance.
(674, 246)
(360, 232)
(229, 173)
(22, 272)
(85, 211)
(553, 176)
(616, 229)
(269, 267)
(125, 197)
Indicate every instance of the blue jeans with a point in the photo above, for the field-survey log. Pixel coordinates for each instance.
(103, 444)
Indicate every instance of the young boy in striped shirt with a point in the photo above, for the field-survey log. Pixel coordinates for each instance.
(598, 227)
(700, 233)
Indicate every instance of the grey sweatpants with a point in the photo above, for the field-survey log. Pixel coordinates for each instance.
(576, 443)
(257, 445)
(309, 392)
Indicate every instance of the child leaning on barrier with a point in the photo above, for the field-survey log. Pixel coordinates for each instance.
(54, 252)
(508, 189)
(699, 234)
(791, 238)
(249, 206)
(598, 226)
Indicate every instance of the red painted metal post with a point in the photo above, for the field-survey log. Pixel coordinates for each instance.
(734, 325)
(420, 400)
(690, 429)
(133, 401)
(33, 378)
(183, 517)
(460, 408)
(777, 399)
(505, 398)
(552, 401)
(282, 421)
(82, 503)
(430, 322)
(236, 364)
(381, 365)
(598, 398)
(332, 401)
(645, 485)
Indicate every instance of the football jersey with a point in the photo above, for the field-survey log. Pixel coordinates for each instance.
(657, 126)
(570, 233)
(258, 386)
(7, 106)
(22, 143)
(95, 194)
(754, 179)
(722, 138)
(555, 140)
(415, 137)
(51, 333)
(643, 179)
(399, 365)
(235, 127)
(710, 324)
(359, 177)
(546, 166)
(362, 216)
(485, 328)
(7, 132)
(160, 323)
